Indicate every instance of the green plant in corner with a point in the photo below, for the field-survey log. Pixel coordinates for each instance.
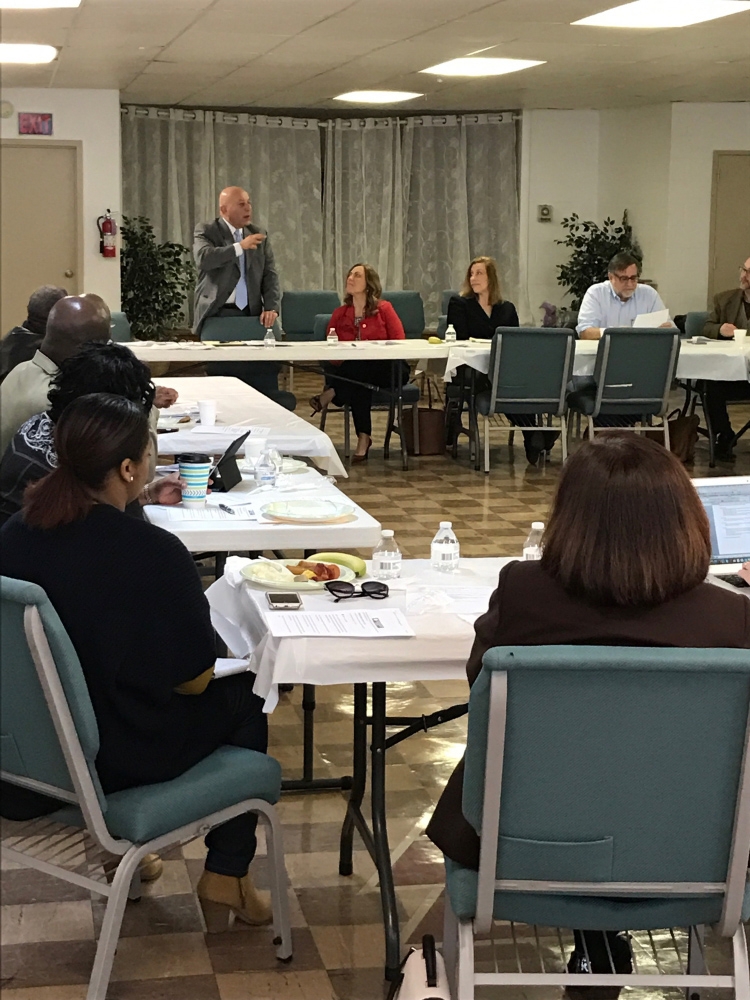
(592, 248)
(156, 279)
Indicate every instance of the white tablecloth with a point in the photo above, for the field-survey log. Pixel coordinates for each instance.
(313, 351)
(438, 651)
(239, 404)
(257, 536)
(723, 362)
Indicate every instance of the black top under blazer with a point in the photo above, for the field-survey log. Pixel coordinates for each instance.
(470, 320)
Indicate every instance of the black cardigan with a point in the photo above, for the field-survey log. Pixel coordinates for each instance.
(470, 320)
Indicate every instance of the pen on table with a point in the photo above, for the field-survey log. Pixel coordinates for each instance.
(223, 506)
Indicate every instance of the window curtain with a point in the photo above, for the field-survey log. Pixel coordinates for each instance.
(417, 198)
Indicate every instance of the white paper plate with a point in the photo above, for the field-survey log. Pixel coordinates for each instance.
(250, 570)
(310, 511)
(290, 465)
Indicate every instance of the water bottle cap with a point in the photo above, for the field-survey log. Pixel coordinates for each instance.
(446, 524)
(387, 533)
(537, 525)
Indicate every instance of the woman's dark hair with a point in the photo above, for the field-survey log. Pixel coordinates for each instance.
(98, 367)
(93, 436)
(373, 289)
(627, 527)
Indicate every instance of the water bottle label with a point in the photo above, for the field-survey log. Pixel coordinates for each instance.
(388, 564)
(532, 552)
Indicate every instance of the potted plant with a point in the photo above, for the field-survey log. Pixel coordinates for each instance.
(156, 279)
(592, 248)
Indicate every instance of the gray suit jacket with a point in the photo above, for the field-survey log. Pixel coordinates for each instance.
(219, 271)
(728, 308)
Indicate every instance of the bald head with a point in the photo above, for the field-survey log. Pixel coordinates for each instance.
(74, 321)
(235, 207)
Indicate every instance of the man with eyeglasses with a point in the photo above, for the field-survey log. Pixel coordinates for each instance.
(731, 312)
(618, 300)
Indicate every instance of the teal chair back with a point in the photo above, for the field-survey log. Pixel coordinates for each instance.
(694, 323)
(442, 326)
(32, 755)
(610, 765)
(299, 309)
(320, 325)
(120, 331)
(233, 328)
(634, 371)
(529, 370)
(447, 295)
(410, 310)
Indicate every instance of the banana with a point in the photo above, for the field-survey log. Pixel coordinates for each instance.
(354, 563)
(434, 340)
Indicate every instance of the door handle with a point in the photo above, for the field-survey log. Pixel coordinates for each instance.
(69, 273)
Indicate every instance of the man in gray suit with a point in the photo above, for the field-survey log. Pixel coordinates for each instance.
(237, 277)
(236, 270)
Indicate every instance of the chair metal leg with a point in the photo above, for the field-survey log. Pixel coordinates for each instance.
(564, 438)
(110, 932)
(665, 428)
(415, 425)
(450, 943)
(389, 430)
(741, 965)
(465, 965)
(347, 434)
(487, 445)
(323, 416)
(696, 961)
(282, 934)
(511, 436)
(590, 428)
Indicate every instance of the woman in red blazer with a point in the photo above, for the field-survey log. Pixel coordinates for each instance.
(363, 316)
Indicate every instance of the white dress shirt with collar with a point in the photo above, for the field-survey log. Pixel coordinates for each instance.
(602, 307)
(237, 249)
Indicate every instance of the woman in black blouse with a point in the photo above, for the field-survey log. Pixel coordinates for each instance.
(130, 598)
(477, 312)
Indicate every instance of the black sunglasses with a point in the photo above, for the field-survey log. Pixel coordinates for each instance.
(341, 590)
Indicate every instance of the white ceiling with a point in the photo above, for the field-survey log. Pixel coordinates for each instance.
(301, 53)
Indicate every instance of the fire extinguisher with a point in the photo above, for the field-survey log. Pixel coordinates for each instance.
(107, 230)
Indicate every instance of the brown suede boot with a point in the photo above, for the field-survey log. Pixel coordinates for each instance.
(221, 896)
(150, 867)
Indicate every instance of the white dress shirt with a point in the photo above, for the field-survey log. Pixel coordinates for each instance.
(602, 307)
(237, 249)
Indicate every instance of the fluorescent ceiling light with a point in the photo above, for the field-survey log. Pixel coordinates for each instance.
(377, 96)
(10, 53)
(481, 66)
(664, 13)
(37, 4)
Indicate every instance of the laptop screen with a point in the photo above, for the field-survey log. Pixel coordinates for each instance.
(727, 503)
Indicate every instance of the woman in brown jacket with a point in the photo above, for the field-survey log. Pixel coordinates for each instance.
(625, 560)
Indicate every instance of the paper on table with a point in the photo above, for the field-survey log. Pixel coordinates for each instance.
(386, 623)
(651, 319)
(225, 667)
(236, 429)
(208, 513)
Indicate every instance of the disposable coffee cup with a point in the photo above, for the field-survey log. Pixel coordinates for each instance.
(194, 472)
(207, 411)
(254, 448)
(739, 337)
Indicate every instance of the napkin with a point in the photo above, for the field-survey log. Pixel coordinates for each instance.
(233, 569)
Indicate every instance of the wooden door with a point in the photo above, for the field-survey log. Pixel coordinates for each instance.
(40, 206)
(730, 220)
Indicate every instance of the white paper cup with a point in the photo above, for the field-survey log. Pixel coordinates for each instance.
(739, 337)
(207, 411)
(194, 471)
(254, 448)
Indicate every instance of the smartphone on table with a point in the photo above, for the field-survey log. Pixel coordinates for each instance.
(283, 601)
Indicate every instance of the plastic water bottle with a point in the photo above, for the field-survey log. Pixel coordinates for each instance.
(386, 557)
(445, 550)
(450, 334)
(265, 469)
(269, 340)
(532, 547)
(332, 338)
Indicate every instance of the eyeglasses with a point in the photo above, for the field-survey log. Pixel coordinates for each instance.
(626, 277)
(744, 270)
(342, 590)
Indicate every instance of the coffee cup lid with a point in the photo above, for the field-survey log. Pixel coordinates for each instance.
(193, 459)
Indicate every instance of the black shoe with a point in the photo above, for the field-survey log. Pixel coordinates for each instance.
(724, 448)
(598, 961)
(534, 444)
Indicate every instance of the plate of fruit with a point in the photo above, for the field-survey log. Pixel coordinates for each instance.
(295, 574)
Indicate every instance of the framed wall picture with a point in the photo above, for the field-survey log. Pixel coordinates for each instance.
(34, 123)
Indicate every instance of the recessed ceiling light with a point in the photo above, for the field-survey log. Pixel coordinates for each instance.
(481, 66)
(664, 13)
(11, 53)
(377, 96)
(36, 4)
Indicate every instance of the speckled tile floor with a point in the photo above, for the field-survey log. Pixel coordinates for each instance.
(48, 928)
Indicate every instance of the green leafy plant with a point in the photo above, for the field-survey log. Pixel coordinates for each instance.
(592, 248)
(156, 279)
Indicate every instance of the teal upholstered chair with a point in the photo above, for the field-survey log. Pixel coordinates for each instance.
(410, 310)
(694, 323)
(320, 325)
(447, 295)
(633, 376)
(611, 791)
(442, 326)
(50, 740)
(225, 328)
(529, 373)
(299, 310)
(261, 375)
(120, 324)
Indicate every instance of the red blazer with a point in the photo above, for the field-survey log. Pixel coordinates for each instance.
(384, 325)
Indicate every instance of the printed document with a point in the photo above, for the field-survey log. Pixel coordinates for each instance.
(651, 319)
(388, 623)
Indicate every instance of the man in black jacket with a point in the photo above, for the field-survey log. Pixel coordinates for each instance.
(21, 342)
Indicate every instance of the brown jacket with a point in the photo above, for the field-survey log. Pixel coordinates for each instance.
(728, 308)
(529, 608)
